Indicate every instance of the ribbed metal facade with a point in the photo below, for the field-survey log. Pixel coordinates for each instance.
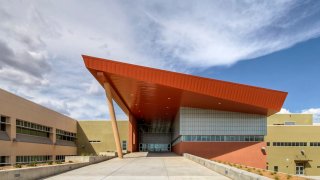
(143, 90)
(155, 138)
(194, 121)
(176, 126)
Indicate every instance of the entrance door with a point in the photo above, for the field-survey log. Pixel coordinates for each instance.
(157, 147)
(151, 147)
(154, 135)
(154, 147)
(300, 169)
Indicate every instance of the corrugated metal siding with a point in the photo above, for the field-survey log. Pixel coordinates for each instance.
(176, 126)
(260, 97)
(194, 121)
(155, 138)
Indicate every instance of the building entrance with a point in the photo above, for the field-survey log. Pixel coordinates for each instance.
(155, 136)
(299, 168)
(154, 147)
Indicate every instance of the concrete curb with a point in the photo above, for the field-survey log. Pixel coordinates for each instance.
(31, 173)
(231, 172)
(89, 159)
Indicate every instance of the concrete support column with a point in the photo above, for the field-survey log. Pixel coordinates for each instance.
(13, 135)
(53, 137)
(132, 144)
(113, 119)
(11, 129)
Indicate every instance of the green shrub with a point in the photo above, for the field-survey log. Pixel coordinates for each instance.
(18, 166)
(259, 172)
(70, 161)
(32, 164)
(58, 162)
(50, 162)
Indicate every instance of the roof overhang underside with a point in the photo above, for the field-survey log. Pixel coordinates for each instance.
(150, 93)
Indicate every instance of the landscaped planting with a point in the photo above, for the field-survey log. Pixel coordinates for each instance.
(263, 172)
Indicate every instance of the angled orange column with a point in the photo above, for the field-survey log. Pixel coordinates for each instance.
(113, 119)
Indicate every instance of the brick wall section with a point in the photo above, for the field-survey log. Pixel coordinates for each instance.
(246, 153)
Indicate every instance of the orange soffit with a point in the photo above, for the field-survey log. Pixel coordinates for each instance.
(149, 92)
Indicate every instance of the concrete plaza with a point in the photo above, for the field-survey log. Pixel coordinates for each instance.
(143, 166)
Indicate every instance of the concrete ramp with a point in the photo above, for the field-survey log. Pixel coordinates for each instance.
(142, 165)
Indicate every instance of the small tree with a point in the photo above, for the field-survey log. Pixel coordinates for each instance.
(32, 164)
(18, 166)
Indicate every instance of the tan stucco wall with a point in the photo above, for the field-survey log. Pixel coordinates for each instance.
(284, 156)
(299, 119)
(102, 131)
(11, 149)
(16, 107)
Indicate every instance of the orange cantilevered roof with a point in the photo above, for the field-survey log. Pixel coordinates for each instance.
(150, 93)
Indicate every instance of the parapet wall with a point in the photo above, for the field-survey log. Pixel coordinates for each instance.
(231, 172)
(31, 173)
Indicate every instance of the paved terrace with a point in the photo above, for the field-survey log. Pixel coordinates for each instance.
(143, 165)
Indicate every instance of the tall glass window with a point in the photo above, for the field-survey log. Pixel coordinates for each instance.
(124, 145)
(65, 135)
(30, 159)
(24, 127)
(60, 158)
(221, 138)
(4, 160)
(3, 123)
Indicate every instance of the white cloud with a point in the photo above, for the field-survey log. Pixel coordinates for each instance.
(95, 88)
(315, 112)
(284, 111)
(222, 32)
(41, 42)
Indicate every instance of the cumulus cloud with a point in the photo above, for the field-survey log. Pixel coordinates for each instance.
(94, 88)
(41, 42)
(315, 112)
(222, 32)
(284, 111)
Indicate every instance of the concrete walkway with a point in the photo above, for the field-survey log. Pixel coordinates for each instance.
(143, 166)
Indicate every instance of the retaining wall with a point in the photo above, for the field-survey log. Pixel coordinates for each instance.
(31, 173)
(89, 159)
(231, 172)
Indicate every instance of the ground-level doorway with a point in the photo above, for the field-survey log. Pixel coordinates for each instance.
(299, 168)
(154, 147)
(154, 136)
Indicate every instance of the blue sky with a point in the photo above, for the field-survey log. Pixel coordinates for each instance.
(295, 70)
(273, 44)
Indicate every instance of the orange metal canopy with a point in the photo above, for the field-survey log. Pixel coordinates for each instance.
(150, 93)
